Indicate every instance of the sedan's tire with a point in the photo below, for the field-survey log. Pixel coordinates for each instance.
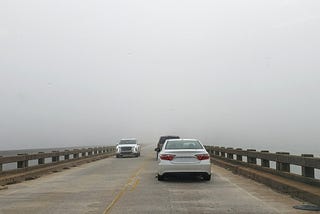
(206, 177)
(160, 177)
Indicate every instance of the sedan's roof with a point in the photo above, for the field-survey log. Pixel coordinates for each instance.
(128, 139)
(183, 139)
(170, 136)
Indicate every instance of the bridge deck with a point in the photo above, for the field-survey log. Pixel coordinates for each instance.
(128, 185)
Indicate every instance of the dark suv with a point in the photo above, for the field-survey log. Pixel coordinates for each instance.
(161, 142)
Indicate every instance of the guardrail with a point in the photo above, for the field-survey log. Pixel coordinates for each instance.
(282, 161)
(41, 165)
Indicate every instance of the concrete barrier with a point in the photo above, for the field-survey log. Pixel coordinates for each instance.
(26, 172)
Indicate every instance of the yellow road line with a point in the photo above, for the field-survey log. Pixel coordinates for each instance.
(114, 201)
(135, 185)
(124, 189)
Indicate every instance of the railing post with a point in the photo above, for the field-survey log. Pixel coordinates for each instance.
(211, 151)
(307, 171)
(0, 165)
(239, 157)
(41, 160)
(66, 156)
(250, 159)
(284, 167)
(265, 162)
(230, 154)
(83, 154)
(23, 163)
(76, 155)
(55, 158)
(216, 153)
(90, 152)
(223, 154)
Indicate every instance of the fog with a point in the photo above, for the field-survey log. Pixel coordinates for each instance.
(230, 73)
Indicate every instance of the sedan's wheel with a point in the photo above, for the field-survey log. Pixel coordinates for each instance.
(206, 177)
(160, 177)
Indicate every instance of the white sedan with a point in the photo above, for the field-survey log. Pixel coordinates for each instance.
(184, 156)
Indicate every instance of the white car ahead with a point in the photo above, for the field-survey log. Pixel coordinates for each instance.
(184, 156)
(128, 147)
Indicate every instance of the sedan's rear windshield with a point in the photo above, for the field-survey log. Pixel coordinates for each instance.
(128, 142)
(183, 145)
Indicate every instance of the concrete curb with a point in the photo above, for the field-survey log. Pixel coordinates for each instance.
(295, 189)
(3, 187)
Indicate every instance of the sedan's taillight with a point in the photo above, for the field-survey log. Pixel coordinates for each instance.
(203, 157)
(167, 157)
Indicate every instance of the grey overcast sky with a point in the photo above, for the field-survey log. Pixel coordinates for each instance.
(229, 72)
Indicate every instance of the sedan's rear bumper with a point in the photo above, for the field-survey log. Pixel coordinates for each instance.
(167, 167)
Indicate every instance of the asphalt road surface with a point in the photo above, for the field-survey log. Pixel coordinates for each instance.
(129, 185)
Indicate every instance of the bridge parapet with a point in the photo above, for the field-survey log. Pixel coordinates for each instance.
(283, 160)
(45, 162)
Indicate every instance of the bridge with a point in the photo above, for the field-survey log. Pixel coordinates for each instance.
(92, 180)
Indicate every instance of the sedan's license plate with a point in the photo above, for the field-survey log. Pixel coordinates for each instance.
(185, 159)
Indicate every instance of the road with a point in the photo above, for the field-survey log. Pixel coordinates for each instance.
(129, 185)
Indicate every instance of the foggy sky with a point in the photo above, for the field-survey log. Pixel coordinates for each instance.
(89, 72)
